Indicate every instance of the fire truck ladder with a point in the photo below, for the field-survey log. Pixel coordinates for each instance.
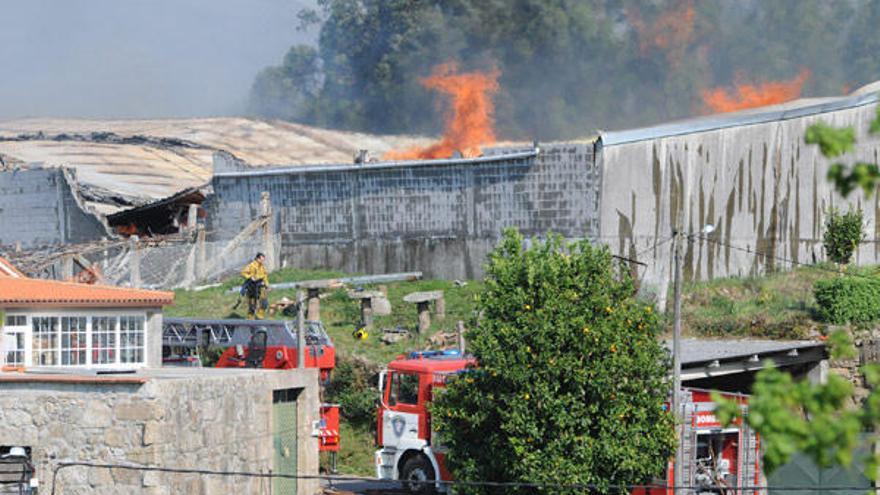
(192, 333)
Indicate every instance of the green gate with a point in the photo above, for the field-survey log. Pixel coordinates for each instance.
(801, 472)
(284, 426)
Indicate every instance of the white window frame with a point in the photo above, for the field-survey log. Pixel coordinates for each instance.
(115, 313)
(12, 331)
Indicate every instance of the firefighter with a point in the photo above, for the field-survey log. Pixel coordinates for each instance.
(255, 288)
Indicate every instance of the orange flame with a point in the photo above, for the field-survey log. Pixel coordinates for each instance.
(745, 96)
(469, 123)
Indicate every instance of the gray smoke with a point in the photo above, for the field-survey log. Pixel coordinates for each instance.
(139, 59)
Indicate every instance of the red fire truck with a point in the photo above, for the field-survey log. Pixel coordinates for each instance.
(717, 459)
(270, 344)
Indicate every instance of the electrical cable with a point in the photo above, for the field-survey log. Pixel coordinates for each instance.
(493, 484)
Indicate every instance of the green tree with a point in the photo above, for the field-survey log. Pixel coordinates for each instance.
(843, 234)
(571, 381)
(288, 91)
(834, 142)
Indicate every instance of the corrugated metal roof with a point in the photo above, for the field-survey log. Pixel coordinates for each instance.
(695, 351)
(786, 111)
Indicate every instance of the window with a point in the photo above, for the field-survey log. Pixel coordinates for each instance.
(104, 339)
(45, 345)
(131, 339)
(73, 340)
(13, 339)
(16, 320)
(404, 389)
(13, 342)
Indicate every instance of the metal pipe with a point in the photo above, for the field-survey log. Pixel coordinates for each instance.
(363, 279)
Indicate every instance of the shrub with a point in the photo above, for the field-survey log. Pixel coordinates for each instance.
(352, 386)
(843, 234)
(572, 377)
(844, 300)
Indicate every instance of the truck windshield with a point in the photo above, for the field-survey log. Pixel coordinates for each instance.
(404, 389)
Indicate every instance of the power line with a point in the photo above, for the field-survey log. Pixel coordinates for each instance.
(491, 484)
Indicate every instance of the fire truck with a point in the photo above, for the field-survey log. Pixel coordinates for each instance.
(717, 459)
(270, 344)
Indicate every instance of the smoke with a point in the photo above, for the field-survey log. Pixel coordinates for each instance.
(743, 96)
(669, 33)
(469, 122)
(119, 59)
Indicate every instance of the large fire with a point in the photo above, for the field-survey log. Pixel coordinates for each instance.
(469, 122)
(744, 96)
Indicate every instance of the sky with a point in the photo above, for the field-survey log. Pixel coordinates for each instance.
(139, 58)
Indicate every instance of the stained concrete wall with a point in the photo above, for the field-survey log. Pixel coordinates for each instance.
(211, 419)
(38, 207)
(440, 217)
(761, 186)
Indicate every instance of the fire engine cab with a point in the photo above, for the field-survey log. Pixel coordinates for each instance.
(717, 459)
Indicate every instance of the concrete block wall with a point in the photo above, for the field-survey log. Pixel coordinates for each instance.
(441, 218)
(758, 183)
(200, 419)
(38, 207)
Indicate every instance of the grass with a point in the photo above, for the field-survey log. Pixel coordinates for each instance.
(778, 306)
(341, 314)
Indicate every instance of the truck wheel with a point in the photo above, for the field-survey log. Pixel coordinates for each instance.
(418, 469)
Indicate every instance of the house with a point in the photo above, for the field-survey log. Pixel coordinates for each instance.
(83, 383)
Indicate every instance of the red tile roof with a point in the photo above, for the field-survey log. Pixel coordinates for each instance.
(29, 292)
(18, 291)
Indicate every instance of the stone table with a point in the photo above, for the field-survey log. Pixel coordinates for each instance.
(423, 300)
(366, 298)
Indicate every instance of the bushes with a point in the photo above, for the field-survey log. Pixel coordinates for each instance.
(843, 234)
(353, 387)
(844, 300)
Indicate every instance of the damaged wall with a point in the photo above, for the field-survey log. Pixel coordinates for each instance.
(38, 207)
(751, 176)
(440, 217)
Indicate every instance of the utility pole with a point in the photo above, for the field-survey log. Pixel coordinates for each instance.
(679, 238)
(300, 331)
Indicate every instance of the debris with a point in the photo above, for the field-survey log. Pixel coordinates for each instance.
(394, 335)
(459, 283)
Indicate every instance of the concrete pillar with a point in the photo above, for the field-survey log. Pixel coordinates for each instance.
(440, 307)
(367, 312)
(460, 330)
(135, 261)
(67, 267)
(201, 253)
(268, 230)
(153, 338)
(424, 310)
(192, 218)
(314, 304)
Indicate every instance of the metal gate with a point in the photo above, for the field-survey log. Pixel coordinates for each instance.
(801, 472)
(284, 439)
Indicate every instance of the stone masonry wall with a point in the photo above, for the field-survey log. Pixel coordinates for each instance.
(38, 207)
(211, 420)
(438, 217)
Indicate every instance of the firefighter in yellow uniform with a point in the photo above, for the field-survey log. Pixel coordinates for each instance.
(255, 288)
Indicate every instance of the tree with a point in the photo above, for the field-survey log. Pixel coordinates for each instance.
(843, 234)
(572, 378)
(288, 91)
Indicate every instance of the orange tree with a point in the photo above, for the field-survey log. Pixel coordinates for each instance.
(572, 378)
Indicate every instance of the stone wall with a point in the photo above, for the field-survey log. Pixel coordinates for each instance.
(38, 207)
(441, 217)
(187, 418)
